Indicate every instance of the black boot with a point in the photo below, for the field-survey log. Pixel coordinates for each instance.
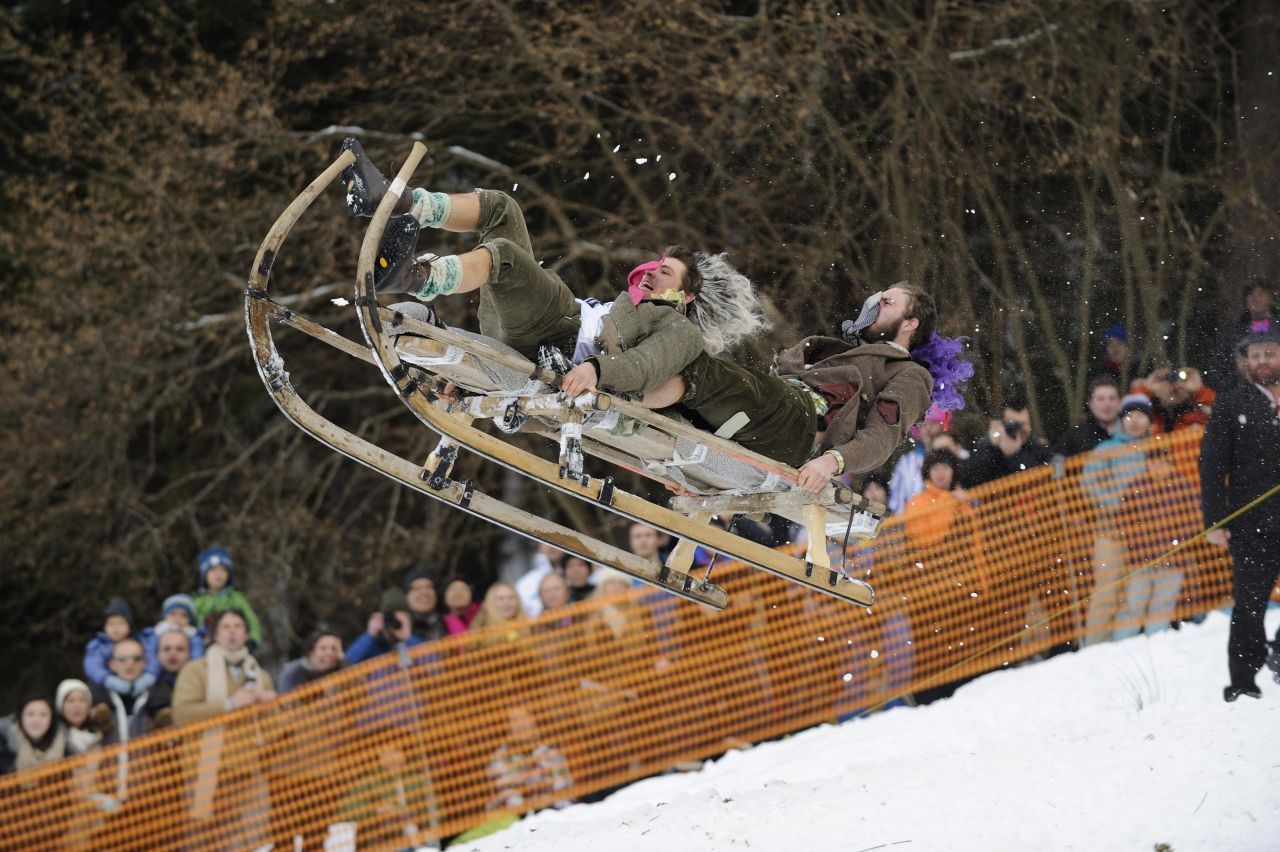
(365, 185)
(1231, 693)
(395, 270)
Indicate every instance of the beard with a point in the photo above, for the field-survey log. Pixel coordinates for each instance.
(1264, 375)
(878, 332)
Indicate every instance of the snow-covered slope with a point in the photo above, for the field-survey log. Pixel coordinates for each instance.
(1122, 746)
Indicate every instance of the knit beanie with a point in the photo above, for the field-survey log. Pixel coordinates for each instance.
(417, 574)
(210, 557)
(65, 688)
(1135, 402)
(179, 601)
(393, 599)
(120, 607)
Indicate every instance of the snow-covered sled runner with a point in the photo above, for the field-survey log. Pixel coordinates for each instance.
(722, 477)
(432, 479)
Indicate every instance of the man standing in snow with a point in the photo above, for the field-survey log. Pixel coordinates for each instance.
(1238, 463)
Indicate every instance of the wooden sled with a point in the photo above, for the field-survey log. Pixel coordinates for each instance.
(723, 477)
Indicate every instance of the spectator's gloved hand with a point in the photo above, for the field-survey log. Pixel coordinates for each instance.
(117, 684)
(144, 683)
(100, 716)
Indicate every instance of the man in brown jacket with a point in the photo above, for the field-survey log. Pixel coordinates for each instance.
(228, 795)
(833, 406)
(226, 678)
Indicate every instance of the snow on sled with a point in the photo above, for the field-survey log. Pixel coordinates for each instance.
(417, 356)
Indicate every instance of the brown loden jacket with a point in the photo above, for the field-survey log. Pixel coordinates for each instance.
(645, 344)
(890, 394)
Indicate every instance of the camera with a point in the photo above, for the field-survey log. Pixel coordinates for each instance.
(1012, 428)
(390, 624)
(1175, 376)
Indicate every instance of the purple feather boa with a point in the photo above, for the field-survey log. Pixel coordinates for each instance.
(951, 373)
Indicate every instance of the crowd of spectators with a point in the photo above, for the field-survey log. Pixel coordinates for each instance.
(197, 661)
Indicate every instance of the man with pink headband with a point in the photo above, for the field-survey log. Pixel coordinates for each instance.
(632, 344)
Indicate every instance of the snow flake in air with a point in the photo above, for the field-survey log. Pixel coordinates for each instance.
(640, 161)
(340, 302)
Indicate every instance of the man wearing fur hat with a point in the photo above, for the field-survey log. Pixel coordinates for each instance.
(1239, 462)
(528, 307)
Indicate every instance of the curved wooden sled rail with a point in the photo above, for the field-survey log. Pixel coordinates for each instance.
(260, 311)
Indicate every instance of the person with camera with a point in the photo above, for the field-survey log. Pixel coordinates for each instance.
(1179, 398)
(389, 629)
(1010, 447)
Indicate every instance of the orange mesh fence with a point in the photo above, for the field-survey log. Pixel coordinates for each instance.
(408, 748)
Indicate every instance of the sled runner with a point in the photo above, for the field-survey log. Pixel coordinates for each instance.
(418, 355)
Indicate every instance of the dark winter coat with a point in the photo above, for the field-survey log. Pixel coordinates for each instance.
(1081, 438)
(988, 464)
(428, 626)
(888, 394)
(130, 714)
(1240, 457)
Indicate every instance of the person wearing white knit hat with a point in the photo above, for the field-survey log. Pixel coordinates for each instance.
(71, 703)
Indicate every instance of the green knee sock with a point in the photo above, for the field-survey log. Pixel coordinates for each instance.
(431, 209)
(444, 277)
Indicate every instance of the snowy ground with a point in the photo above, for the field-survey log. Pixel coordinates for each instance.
(1122, 746)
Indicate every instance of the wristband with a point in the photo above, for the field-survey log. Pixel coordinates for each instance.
(839, 460)
(595, 365)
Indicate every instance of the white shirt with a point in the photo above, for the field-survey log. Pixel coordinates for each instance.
(592, 313)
